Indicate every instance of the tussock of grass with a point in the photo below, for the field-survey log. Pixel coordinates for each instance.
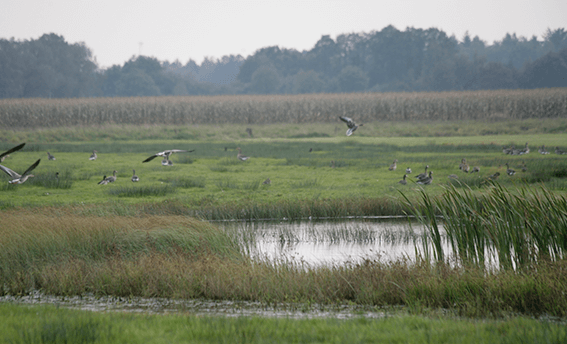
(141, 191)
(187, 183)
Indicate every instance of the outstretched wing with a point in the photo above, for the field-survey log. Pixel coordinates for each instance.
(9, 172)
(151, 158)
(31, 167)
(12, 150)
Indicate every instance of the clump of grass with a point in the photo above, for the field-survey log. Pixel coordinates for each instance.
(218, 168)
(229, 161)
(141, 191)
(52, 181)
(187, 183)
(309, 183)
(226, 184)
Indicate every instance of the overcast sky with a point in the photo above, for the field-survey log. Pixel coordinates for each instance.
(116, 30)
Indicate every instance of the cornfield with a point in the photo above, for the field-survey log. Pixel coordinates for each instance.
(266, 109)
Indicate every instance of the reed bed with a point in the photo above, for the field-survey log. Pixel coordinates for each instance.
(516, 230)
(255, 109)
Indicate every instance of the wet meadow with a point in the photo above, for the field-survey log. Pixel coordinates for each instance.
(65, 235)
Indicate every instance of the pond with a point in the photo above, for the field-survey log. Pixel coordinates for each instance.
(324, 242)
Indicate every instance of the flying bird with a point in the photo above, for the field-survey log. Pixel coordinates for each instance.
(11, 150)
(166, 154)
(19, 179)
(350, 124)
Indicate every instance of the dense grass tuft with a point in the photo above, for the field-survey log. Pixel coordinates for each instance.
(141, 191)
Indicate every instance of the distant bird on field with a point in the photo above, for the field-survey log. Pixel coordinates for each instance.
(267, 182)
(475, 169)
(393, 166)
(494, 176)
(350, 124)
(166, 154)
(424, 174)
(542, 150)
(427, 180)
(310, 150)
(50, 157)
(241, 156)
(134, 176)
(103, 181)
(93, 156)
(110, 179)
(408, 170)
(526, 150)
(509, 171)
(17, 178)
(524, 167)
(559, 151)
(332, 163)
(11, 150)
(453, 176)
(403, 181)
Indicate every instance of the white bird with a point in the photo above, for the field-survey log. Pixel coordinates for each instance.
(11, 150)
(350, 124)
(93, 156)
(241, 156)
(134, 176)
(17, 178)
(166, 155)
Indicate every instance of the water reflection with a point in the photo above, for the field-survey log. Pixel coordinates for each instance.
(327, 242)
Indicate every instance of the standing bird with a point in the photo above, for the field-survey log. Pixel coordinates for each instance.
(166, 155)
(403, 181)
(50, 157)
(93, 156)
(350, 124)
(509, 171)
(134, 176)
(11, 150)
(393, 166)
(241, 156)
(475, 169)
(20, 179)
(408, 170)
(558, 151)
(427, 180)
(424, 174)
(542, 150)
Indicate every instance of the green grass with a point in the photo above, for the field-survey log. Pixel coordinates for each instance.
(46, 324)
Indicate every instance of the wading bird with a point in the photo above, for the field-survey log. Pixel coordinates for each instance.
(350, 124)
(19, 179)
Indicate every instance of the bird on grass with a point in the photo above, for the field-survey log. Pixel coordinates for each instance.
(267, 182)
(110, 179)
(559, 151)
(424, 174)
(166, 154)
(11, 150)
(541, 150)
(93, 156)
(166, 162)
(241, 156)
(494, 176)
(50, 157)
(408, 170)
(134, 176)
(103, 181)
(403, 181)
(509, 171)
(17, 178)
(475, 169)
(427, 180)
(350, 124)
(393, 166)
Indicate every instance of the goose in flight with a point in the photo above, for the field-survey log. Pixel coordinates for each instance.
(17, 178)
(350, 124)
(166, 155)
(241, 156)
(11, 150)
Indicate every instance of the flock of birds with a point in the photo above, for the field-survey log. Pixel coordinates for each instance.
(422, 178)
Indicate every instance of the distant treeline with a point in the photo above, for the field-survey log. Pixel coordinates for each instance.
(379, 61)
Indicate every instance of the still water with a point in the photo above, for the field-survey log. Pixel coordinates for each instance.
(328, 242)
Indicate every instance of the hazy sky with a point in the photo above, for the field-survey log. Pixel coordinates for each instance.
(172, 30)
